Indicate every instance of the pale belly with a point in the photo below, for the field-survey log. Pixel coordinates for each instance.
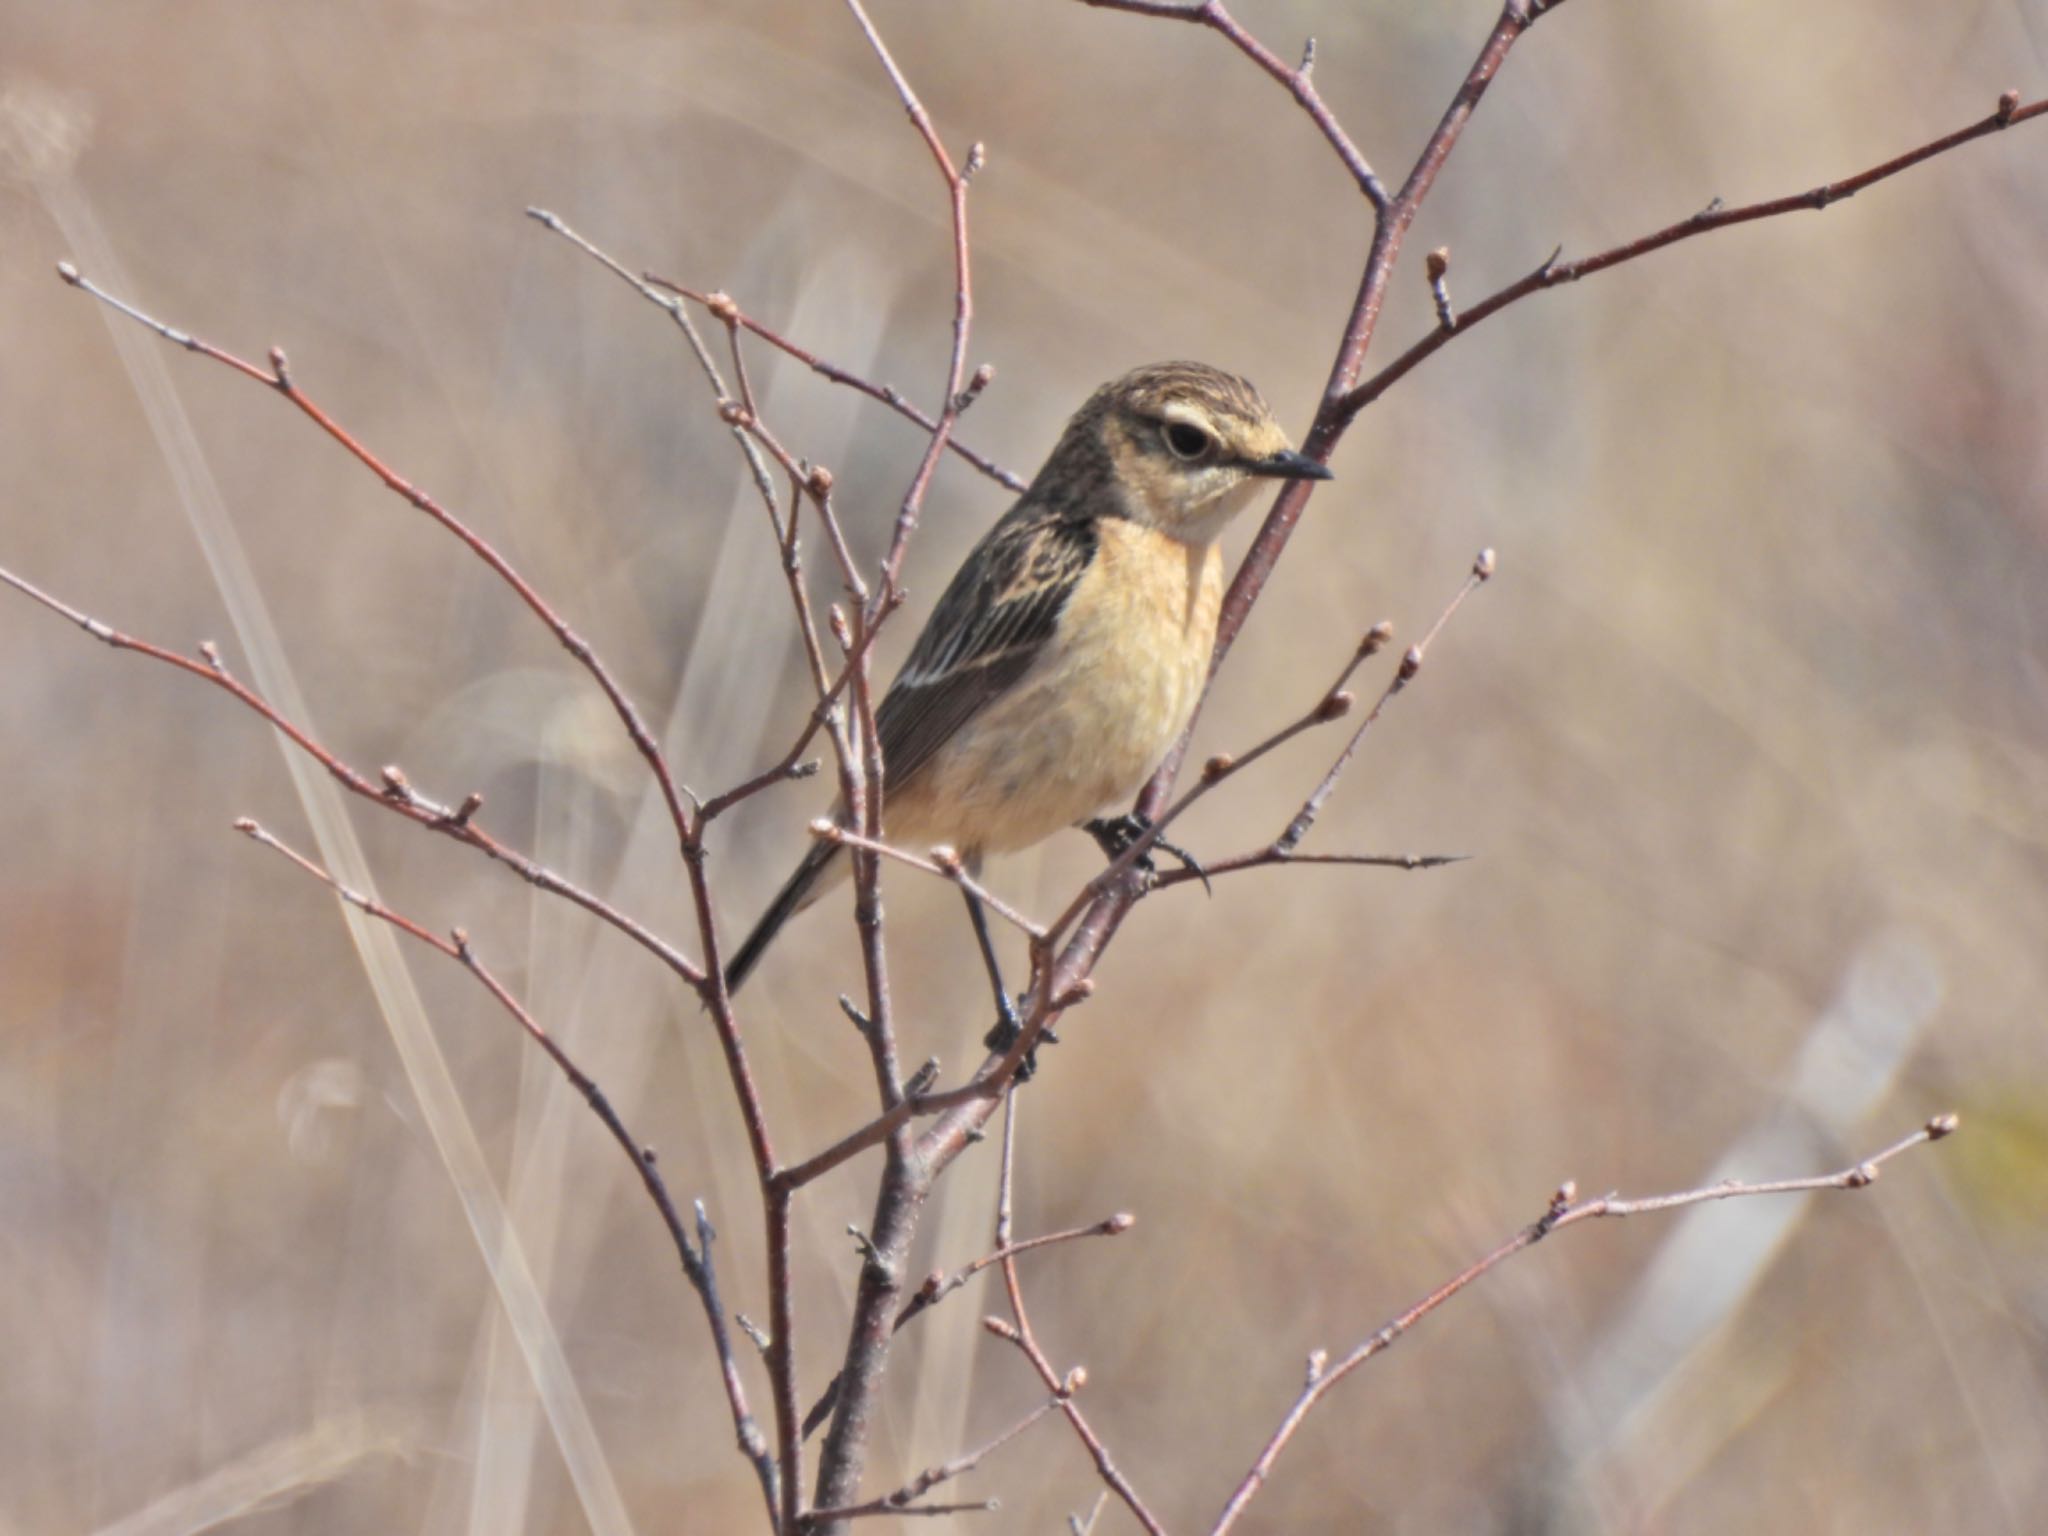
(1085, 727)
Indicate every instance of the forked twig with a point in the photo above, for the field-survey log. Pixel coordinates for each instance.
(696, 1262)
(1564, 1210)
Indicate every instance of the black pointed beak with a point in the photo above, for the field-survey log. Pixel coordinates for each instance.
(1289, 465)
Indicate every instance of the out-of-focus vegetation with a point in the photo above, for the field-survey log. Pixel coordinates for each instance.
(1749, 737)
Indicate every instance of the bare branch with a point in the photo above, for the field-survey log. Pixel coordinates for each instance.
(1062, 1387)
(903, 1500)
(723, 305)
(696, 1261)
(1211, 14)
(278, 377)
(392, 791)
(1553, 272)
(1564, 1210)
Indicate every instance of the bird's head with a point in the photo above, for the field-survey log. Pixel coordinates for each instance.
(1184, 447)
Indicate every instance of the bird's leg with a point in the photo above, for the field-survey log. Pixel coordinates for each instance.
(1115, 834)
(1007, 1026)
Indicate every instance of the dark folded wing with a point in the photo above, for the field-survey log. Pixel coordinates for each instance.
(1001, 607)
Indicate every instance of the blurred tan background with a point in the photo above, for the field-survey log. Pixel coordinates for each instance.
(1749, 737)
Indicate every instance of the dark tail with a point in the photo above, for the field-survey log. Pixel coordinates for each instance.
(790, 900)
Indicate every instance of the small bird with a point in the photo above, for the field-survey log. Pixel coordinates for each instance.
(1069, 650)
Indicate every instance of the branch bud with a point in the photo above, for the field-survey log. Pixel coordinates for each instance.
(1217, 766)
(819, 482)
(999, 1328)
(2008, 103)
(722, 306)
(1077, 1378)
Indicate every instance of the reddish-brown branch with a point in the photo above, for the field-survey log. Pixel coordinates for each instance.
(278, 377)
(904, 1500)
(905, 1179)
(1553, 272)
(723, 305)
(392, 791)
(1564, 1210)
(938, 1285)
(1019, 1333)
(673, 308)
(1296, 82)
(696, 1262)
(1411, 664)
(957, 395)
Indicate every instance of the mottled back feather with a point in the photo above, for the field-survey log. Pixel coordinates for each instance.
(994, 618)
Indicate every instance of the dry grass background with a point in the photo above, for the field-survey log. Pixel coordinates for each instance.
(1750, 737)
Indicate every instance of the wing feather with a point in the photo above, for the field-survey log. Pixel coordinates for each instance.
(993, 621)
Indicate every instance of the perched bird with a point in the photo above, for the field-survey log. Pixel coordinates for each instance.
(1069, 650)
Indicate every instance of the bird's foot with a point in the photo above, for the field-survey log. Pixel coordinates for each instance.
(1004, 1035)
(1114, 835)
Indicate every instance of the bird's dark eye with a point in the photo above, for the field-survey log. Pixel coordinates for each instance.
(1187, 442)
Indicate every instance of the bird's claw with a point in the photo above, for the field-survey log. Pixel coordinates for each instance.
(1114, 835)
(1004, 1035)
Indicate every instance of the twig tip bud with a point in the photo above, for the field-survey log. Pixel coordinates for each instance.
(1411, 662)
(1375, 638)
(1483, 564)
(1437, 263)
(246, 824)
(824, 827)
(69, 273)
(1122, 1221)
(1334, 707)
(1943, 1125)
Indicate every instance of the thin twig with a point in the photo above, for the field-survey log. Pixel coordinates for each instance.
(278, 377)
(1404, 674)
(391, 790)
(903, 1500)
(1554, 272)
(1564, 1210)
(695, 1261)
(681, 316)
(1019, 1333)
(1297, 82)
(944, 864)
(905, 1177)
(722, 303)
(938, 1285)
